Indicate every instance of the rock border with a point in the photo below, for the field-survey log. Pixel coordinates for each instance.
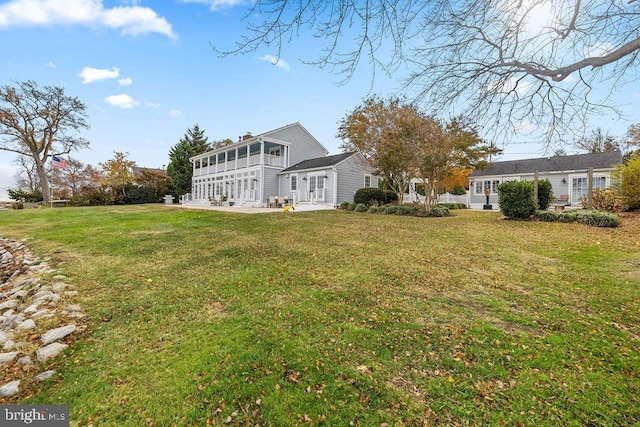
(33, 298)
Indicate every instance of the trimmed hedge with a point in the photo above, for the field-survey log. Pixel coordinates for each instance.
(516, 199)
(545, 194)
(370, 196)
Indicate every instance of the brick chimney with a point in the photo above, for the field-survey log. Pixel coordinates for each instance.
(246, 136)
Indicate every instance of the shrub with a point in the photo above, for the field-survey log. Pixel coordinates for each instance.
(361, 207)
(545, 194)
(453, 206)
(390, 196)
(136, 195)
(17, 205)
(344, 205)
(516, 199)
(548, 216)
(351, 206)
(390, 210)
(606, 200)
(439, 211)
(594, 218)
(370, 196)
(598, 219)
(629, 176)
(25, 196)
(373, 209)
(458, 190)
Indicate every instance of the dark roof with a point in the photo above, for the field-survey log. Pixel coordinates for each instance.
(604, 160)
(137, 170)
(319, 162)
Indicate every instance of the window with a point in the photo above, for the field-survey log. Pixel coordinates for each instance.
(294, 182)
(481, 185)
(580, 186)
(367, 180)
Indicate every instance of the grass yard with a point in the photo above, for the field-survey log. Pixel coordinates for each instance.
(336, 318)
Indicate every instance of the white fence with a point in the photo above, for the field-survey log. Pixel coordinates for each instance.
(442, 198)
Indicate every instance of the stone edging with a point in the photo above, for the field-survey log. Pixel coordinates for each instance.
(33, 298)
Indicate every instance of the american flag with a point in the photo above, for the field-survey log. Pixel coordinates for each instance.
(59, 163)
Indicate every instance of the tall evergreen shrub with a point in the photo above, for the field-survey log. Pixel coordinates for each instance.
(545, 194)
(516, 199)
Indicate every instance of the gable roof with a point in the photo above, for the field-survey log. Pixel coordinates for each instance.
(319, 162)
(604, 160)
(249, 139)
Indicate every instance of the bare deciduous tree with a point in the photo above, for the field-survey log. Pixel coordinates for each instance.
(547, 64)
(38, 123)
(598, 141)
(26, 177)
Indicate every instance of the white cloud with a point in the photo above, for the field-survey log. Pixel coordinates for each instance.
(598, 49)
(125, 82)
(525, 127)
(51, 64)
(90, 75)
(218, 4)
(511, 85)
(122, 101)
(275, 61)
(175, 113)
(131, 20)
(151, 104)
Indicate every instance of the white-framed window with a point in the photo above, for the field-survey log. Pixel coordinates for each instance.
(293, 182)
(481, 185)
(580, 186)
(367, 180)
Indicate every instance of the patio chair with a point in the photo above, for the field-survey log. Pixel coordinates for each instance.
(271, 202)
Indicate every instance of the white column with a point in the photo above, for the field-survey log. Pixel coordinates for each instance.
(236, 160)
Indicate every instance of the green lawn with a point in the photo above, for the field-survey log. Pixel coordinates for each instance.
(333, 317)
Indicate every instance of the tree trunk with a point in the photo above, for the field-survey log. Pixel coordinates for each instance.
(44, 180)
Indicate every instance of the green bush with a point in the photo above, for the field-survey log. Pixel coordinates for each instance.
(516, 199)
(136, 195)
(390, 210)
(25, 196)
(629, 176)
(370, 196)
(594, 218)
(373, 209)
(361, 207)
(351, 206)
(439, 211)
(548, 216)
(453, 206)
(545, 194)
(598, 219)
(458, 190)
(390, 197)
(344, 205)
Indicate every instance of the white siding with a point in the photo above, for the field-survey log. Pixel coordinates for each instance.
(351, 174)
(303, 145)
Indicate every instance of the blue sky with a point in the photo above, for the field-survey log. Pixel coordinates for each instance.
(147, 72)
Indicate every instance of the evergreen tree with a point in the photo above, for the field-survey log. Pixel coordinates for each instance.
(180, 169)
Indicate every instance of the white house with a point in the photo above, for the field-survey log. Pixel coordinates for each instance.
(567, 174)
(284, 163)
